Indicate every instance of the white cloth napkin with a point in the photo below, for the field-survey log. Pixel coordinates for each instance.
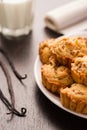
(68, 18)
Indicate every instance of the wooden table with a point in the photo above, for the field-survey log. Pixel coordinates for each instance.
(41, 113)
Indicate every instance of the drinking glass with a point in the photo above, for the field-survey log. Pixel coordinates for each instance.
(16, 17)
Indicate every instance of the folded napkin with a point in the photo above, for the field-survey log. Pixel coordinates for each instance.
(68, 18)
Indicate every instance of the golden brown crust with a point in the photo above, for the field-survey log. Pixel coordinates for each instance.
(45, 51)
(79, 70)
(66, 49)
(75, 98)
(55, 78)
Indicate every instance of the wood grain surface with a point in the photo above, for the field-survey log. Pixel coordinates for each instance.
(41, 113)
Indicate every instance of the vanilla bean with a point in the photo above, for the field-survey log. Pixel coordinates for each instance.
(10, 108)
(20, 78)
(10, 88)
(17, 113)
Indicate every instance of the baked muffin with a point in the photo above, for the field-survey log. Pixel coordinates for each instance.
(79, 70)
(75, 98)
(55, 78)
(66, 49)
(45, 52)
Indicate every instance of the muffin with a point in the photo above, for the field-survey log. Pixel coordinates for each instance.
(66, 49)
(79, 70)
(75, 98)
(45, 52)
(55, 78)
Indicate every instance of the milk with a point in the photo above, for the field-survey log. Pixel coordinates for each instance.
(16, 17)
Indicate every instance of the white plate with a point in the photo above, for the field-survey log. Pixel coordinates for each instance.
(49, 95)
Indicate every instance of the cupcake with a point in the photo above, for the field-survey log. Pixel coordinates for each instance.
(55, 78)
(66, 49)
(75, 98)
(79, 70)
(45, 52)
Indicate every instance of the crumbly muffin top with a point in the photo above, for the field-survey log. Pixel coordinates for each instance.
(45, 51)
(77, 91)
(80, 65)
(70, 47)
(57, 74)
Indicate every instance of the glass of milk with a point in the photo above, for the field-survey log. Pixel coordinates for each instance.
(16, 17)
